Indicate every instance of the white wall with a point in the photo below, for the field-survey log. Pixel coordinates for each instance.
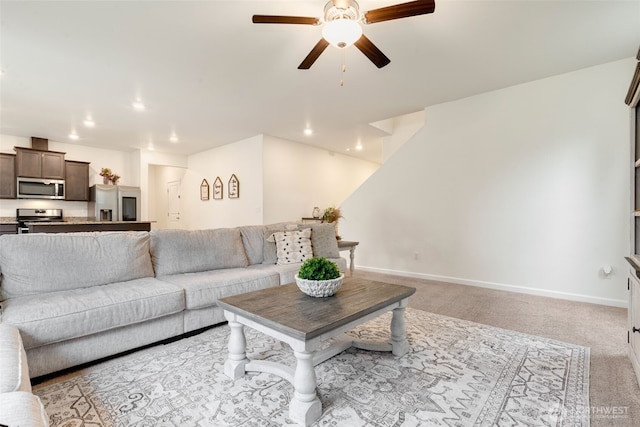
(403, 128)
(525, 188)
(298, 177)
(244, 159)
(118, 161)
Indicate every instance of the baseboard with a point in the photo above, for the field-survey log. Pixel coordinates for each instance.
(501, 287)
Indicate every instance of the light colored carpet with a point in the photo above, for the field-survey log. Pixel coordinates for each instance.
(457, 373)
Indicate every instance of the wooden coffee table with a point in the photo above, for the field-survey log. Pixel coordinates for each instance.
(304, 322)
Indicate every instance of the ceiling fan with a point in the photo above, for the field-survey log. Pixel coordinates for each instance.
(341, 26)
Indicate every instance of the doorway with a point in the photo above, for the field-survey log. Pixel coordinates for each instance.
(173, 204)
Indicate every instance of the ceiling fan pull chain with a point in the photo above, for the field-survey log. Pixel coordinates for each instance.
(343, 68)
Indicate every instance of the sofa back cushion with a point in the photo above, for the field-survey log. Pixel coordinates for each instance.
(38, 263)
(253, 241)
(190, 251)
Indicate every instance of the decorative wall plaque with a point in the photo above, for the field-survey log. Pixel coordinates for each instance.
(218, 189)
(234, 187)
(204, 190)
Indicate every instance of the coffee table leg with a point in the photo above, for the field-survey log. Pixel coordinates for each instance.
(305, 407)
(234, 366)
(399, 341)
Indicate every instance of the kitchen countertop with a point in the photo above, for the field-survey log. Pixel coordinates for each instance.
(80, 222)
(68, 220)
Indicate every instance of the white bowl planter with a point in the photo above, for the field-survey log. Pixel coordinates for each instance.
(319, 288)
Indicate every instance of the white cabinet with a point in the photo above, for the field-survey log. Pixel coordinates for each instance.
(634, 322)
(633, 336)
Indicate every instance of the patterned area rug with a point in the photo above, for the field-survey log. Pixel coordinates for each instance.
(457, 373)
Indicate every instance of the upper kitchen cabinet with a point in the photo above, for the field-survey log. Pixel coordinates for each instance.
(77, 181)
(39, 164)
(7, 176)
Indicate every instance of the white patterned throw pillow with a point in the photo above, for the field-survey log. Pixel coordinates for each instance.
(293, 246)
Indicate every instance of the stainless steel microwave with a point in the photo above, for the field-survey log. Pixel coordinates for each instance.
(40, 188)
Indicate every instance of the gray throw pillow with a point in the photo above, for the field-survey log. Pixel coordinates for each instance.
(323, 240)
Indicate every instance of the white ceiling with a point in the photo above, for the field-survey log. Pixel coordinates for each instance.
(212, 77)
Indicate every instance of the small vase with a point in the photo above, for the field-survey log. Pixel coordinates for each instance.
(106, 180)
(316, 212)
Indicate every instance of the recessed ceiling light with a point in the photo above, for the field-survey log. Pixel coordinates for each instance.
(73, 136)
(348, 149)
(138, 105)
(308, 131)
(89, 122)
(173, 138)
(359, 146)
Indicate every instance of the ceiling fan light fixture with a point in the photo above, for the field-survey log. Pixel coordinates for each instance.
(342, 32)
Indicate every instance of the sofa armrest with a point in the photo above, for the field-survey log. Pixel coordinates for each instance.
(21, 408)
(14, 372)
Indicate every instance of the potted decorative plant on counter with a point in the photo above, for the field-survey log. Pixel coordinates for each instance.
(106, 174)
(332, 214)
(319, 277)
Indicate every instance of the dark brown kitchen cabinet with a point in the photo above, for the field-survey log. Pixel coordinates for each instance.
(39, 164)
(77, 181)
(7, 176)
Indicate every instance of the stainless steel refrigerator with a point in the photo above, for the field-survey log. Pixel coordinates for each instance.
(114, 203)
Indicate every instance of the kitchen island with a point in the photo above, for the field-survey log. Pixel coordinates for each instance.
(78, 226)
(8, 226)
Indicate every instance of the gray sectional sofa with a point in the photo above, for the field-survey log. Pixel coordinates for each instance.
(80, 297)
(18, 406)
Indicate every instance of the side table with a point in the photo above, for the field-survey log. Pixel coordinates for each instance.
(344, 245)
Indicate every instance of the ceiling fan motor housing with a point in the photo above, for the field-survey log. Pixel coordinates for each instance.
(341, 23)
(332, 12)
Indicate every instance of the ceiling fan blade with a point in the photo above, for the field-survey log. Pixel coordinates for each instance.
(402, 10)
(313, 55)
(275, 19)
(371, 51)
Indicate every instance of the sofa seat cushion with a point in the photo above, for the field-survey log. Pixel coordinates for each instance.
(191, 251)
(67, 261)
(14, 371)
(22, 409)
(58, 316)
(203, 289)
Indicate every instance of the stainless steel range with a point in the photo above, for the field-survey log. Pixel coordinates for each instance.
(24, 216)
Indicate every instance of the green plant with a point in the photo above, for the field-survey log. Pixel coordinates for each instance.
(319, 269)
(108, 174)
(331, 214)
